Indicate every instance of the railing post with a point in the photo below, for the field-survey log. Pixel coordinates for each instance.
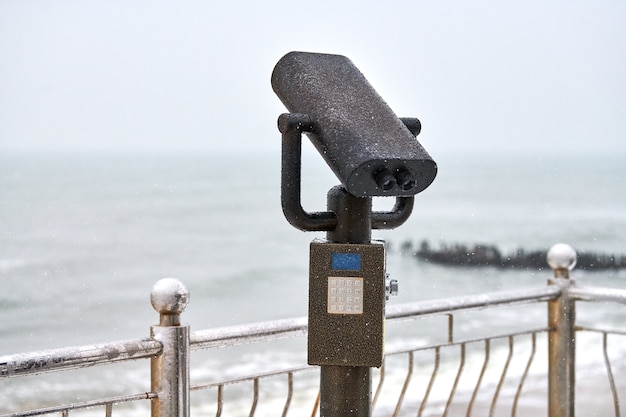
(170, 369)
(562, 335)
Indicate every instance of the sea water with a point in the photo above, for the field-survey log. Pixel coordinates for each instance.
(83, 237)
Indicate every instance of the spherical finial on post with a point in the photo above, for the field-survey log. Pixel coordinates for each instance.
(562, 259)
(169, 297)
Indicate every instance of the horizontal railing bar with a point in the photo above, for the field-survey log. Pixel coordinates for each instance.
(76, 357)
(405, 350)
(84, 404)
(150, 395)
(272, 330)
(601, 330)
(471, 302)
(248, 333)
(90, 355)
(251, 377)
(598, 294)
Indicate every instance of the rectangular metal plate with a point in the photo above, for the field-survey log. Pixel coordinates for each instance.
(346, 304)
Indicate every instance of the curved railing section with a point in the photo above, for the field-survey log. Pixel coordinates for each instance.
(467, 372)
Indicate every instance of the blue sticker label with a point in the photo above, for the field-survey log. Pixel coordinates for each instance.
(346, 261)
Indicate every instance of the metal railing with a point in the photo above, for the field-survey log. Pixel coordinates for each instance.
(465, 373)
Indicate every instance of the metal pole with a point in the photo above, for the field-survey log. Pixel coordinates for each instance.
(170, 369)
(347, 390)
(562, 335)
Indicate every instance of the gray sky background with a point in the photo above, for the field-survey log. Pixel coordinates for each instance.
(506, 76)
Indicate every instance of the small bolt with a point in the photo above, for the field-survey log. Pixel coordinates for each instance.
(391, 287)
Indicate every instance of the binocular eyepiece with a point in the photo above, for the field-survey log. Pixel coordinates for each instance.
(371, 150)
(386, 181)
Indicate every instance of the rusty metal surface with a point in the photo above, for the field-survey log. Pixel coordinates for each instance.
(562, 352)
(598, 294)
(75, 357)
(170, 372)
(297, 327)
(560, 295)
(89, 355)
(66, 408)
(471, 302)
(248, 333)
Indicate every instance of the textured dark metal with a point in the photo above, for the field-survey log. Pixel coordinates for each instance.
(373, 153)
(347, 339)
(346, 378)
(367, 146)
(354, 219)
(346, 391)
(396, 217)
(292, 125)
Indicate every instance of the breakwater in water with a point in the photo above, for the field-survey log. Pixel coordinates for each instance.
(488, 255)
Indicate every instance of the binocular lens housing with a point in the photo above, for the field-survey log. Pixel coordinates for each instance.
(366, 145)
(405, 180)
(384, 179)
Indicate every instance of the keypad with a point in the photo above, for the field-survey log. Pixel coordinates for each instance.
(345, 295)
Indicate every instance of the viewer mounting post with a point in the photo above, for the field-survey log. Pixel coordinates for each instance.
(373, 153)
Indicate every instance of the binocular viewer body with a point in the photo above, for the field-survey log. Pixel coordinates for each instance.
(370, 149)
(373, 153)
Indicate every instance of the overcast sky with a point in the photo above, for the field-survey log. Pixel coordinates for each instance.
(195, 75)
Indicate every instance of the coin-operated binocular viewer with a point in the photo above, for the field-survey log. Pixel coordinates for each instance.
(373, 153)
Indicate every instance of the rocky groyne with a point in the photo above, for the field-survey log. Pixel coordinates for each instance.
(487, 255)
